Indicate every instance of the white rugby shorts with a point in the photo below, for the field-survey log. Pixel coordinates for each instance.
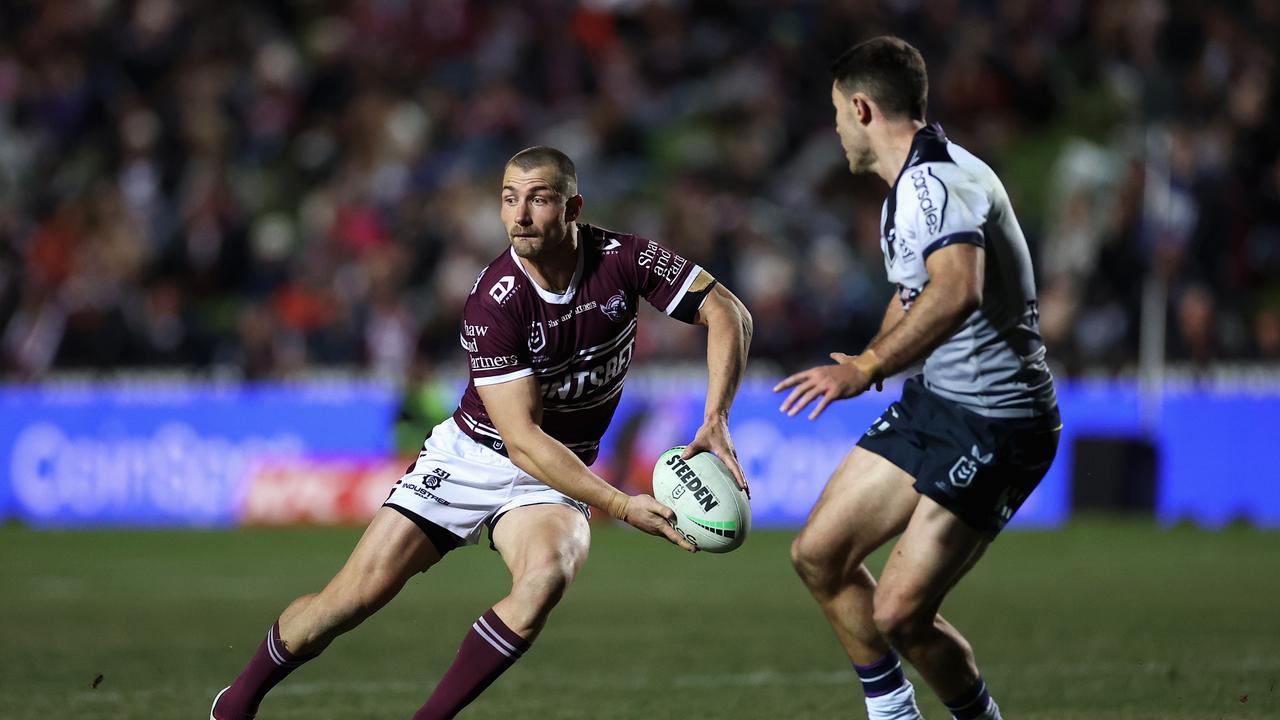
(463, 486)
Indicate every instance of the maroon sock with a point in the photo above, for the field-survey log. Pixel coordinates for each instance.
(269, 665)
(489, 648)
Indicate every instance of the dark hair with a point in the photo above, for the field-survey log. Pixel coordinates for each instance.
(566, 180)
(890, 71)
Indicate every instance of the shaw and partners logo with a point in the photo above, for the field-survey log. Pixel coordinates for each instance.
(666, 264)
(933, 205)
(493, 363)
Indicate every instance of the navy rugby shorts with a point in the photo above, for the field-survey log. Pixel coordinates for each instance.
(980, 468)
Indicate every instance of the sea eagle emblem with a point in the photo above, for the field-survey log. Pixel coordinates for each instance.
(615, 308)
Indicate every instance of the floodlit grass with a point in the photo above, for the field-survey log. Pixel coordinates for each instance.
(1104, 620)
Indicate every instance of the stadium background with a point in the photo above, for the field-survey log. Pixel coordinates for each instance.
(235, 238)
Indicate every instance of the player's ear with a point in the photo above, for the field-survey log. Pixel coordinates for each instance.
(572, 208)
(861, 108)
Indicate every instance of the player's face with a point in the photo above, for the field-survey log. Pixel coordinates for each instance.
(853, 136)
(534, 213)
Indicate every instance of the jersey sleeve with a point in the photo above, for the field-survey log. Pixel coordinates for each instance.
(495, 342)
(938, 205)
(663, 278)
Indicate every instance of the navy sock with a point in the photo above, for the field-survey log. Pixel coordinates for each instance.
(882, 676)
(972, 704)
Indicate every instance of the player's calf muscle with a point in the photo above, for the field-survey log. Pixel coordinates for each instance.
(313, 621)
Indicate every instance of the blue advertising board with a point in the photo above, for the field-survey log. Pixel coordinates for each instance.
(176, 453)
(168, 454)
(788, 460)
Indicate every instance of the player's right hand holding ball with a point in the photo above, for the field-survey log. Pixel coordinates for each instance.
(644, 513)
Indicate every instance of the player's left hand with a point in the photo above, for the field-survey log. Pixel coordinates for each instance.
(713, 437)
(827, 383)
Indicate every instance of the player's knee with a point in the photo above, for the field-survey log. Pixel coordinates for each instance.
(813, 563)
(899, 619)
(544, 580)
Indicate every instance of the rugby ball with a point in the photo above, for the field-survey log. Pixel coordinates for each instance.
(711, 511)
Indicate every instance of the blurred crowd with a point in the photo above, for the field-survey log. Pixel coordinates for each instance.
(276, 187)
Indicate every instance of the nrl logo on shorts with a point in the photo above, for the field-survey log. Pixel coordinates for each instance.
(432, 480)
(966, 468)
(615, 308)
(537, 336)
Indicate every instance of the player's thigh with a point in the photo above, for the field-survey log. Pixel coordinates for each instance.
(550, 537)
(935, 551)
(391, 550)
(867, 501)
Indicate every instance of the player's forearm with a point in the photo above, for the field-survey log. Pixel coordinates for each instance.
(934, 317)
(728, 339)
(548, 460)
(892, 316)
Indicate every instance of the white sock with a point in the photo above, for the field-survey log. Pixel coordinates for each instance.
(897, 705)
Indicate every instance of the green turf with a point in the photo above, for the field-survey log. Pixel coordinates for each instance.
(1104, 620)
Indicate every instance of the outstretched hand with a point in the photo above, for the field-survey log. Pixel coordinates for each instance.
(713, 437)
(827, 383)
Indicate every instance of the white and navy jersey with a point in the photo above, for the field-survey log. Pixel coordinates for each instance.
(995, 363)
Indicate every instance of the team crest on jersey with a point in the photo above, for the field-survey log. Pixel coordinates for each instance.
(966, 468)
(537, 336)
(615, 308)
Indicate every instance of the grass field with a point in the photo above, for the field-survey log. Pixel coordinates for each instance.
(1101, 620)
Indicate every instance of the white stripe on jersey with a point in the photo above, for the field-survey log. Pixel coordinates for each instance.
(499, 379)
(684, 289)
(560, 369)
(480, 427)
(581, 354)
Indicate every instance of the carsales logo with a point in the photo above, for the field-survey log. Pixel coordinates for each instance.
(173, 474)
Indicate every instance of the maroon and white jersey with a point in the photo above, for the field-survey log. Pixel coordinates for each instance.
(577, 344)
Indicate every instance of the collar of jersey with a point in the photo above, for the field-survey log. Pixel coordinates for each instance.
(929, 132)
(547, 295)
